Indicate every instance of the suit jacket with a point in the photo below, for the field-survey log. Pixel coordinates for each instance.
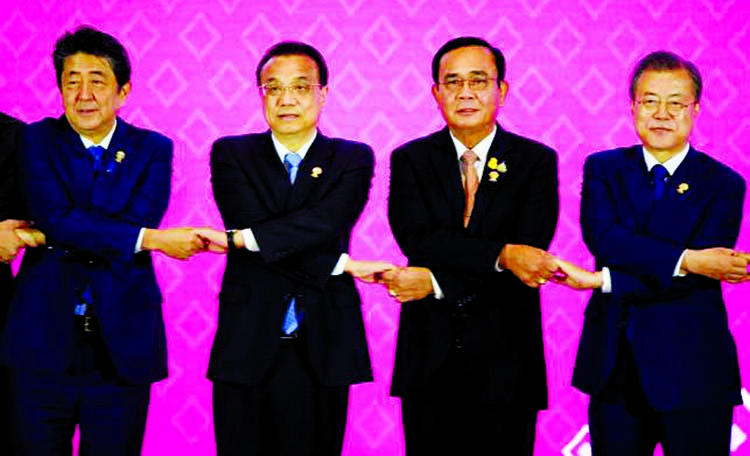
(492, 315)
(301, 230)
(92, 223)
(10, 199)
(681, 343)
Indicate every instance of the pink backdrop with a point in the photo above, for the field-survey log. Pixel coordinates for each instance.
(568, 64)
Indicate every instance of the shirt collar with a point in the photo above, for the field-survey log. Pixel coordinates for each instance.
(104, 142)
(482, 148)
(671, 164)
(282, 150)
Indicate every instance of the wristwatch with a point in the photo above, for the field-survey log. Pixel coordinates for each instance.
(231, 246)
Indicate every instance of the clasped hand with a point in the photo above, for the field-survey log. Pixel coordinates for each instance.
(16, 235)
(183, 243)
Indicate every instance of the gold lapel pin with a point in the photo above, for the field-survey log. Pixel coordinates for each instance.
(316, 172)
(119, 156)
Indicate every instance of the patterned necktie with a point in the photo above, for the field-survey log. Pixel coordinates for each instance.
(292, 161)
(660, 174)
(471, 182)
(97, 152)
(291, 323)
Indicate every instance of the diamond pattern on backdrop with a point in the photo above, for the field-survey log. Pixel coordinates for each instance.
(568, 64)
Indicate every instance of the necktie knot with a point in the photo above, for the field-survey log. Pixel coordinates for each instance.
(660, 175)
(97, 152)
(469, 157)
(292, 161)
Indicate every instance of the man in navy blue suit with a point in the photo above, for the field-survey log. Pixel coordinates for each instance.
(661, 218)
(85, 337)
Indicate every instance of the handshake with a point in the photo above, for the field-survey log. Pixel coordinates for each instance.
(183, 243)
(180, 243)
(15, 235)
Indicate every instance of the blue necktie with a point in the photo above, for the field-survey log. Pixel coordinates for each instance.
(660, 174)
(291, 162)
(97, 152)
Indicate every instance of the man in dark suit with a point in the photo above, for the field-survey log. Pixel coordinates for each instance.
(10, 246)
(656, 355)
(85, 337)
(473, 207)
(290, 338)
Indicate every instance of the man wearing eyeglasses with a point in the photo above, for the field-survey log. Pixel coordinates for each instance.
(661, 218)
(290, 338)
(474, 208)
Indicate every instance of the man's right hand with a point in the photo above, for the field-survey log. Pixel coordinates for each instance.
(533, 266)
(180, 243)
(31, 237)
(367, 271)
(10, 243)
(576, 277)
(718, 263)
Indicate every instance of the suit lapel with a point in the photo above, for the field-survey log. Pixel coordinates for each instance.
(666, 210)
(638, 182)
(77, 161)
(115, 161)
(443, 162)
(261, 163)
(500, 156)
(314, 171)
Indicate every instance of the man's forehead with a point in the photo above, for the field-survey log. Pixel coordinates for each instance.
(468, 59)
(80, 63)
(289, 67)
(652, 79)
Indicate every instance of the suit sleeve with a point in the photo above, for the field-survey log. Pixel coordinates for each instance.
(10, 198)
(304, 242)
(73, 225)
(641, 263)
(459, 261)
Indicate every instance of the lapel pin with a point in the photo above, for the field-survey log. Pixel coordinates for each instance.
(683, 188)
(119, 156)
(316, 172)
(497, 168)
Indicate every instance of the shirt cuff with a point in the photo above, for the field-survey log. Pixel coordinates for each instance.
(436, 288)
(677, 268)
(606, 280)
(250, 243)
(497, 264)
(340, 265)
(139, 241)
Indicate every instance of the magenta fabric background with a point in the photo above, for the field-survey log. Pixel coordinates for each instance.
(568, 66)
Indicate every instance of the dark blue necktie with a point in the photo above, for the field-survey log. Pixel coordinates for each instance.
(660, 174)
(291, 323)
(97, 152)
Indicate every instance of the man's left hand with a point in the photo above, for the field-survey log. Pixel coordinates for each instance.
(409, 283)
(10, 243)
